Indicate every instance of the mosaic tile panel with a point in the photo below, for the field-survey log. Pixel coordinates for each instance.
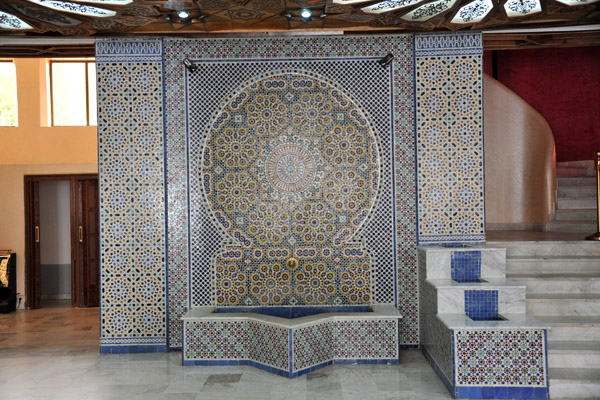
(449, 121)
(500, 357)
(290, 168)
(481, 305)
(436, 338)
(364, 339)
(131, 189)
(312, 345)
(348, 59)
(465, 266)
(216, 340)
(269, 345)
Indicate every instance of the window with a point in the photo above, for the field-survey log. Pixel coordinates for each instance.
(73, 92)
(8, 94)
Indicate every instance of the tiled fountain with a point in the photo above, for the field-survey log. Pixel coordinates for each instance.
(474, 328)
(290, 172)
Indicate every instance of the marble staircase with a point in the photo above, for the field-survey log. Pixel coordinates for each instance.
(562, 281)
(576, 198)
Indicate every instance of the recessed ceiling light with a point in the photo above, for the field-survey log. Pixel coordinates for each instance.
(305, 13)
(183, 14)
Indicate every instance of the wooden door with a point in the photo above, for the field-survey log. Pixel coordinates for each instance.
(88, 260)
(32, 244)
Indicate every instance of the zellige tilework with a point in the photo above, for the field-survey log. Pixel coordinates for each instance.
(193, 101)
(131, 187)
(449, 120)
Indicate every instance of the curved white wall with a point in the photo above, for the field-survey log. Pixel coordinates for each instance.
(520, 172)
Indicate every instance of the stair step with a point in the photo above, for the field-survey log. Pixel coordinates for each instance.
(576, 181)
(577, 191)
(574, 203)
(563, 304)
(552, 265)
(574, 354)
(548, 248)
(565, 328)
(558, 283)
(574, 383)
(574, 171)
(576, 215)
(571, 226)
(576, 164)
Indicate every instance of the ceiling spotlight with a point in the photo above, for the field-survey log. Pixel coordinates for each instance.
(386, 61)
(306, 13)
(183, 14)
(189, 64)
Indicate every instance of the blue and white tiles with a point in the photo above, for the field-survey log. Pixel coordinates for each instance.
(132, 187)
(290, 347)
(449, 125)
(188, 219)
(474, 329)
(200, 235)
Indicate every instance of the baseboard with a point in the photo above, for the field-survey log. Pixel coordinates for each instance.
(515, 227)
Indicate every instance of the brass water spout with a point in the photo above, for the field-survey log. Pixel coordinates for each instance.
(292, 264)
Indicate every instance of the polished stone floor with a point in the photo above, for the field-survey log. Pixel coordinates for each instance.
(534, 236)
(52, 353)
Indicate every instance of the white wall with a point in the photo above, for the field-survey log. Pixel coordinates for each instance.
(55, 238)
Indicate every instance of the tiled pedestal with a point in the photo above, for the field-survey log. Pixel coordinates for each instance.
(474, 329)
(290, 347)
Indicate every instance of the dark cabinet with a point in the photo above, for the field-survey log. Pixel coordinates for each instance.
(8, 282)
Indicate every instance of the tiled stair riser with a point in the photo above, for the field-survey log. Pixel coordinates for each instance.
(479, 359)
(451, 300)
(438, 263)
(290, 351)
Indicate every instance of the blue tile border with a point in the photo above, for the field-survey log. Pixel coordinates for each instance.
(437, 369)
(133, 349)
(487, 392)
(409, 346)
(500, 392)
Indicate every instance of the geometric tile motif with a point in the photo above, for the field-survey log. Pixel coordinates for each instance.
(364, 339)
(222, 340)
(500, 358)
(290, 167)
(449, 119)
(273, 346)
(269, 345)
(312, 345)
(131, 189)
(436, 337)
(394, 275)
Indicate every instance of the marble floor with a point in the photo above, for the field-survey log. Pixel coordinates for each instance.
(52, 353)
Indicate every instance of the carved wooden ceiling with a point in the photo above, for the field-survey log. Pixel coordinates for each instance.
(84, 18)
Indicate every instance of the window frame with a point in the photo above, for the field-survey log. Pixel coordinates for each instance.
(16, 125)
(85, 61)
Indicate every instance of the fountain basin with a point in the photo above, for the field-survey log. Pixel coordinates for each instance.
(294, 312)
(290, 346)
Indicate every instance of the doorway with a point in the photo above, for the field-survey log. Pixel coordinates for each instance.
(61, 240)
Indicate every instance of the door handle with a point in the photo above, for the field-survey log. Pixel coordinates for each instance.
(37, 234)
(80, 234)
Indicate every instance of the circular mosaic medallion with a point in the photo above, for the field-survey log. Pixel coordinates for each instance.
(290, 168)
